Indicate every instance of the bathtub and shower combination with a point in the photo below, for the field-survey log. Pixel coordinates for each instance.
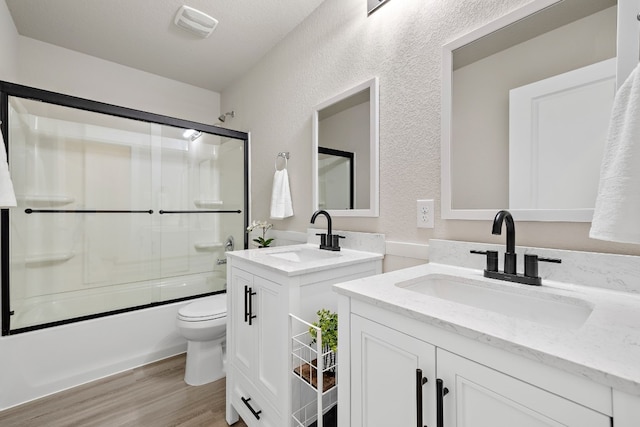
(123, 217)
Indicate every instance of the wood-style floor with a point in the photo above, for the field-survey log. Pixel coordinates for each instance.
(151, 395)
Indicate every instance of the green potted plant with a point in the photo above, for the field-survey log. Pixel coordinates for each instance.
(328, 324)
(262, 241)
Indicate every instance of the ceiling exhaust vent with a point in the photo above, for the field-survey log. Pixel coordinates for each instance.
(195, 21)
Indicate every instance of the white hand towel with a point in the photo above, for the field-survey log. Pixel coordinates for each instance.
(617, 213)
(7, 196)
(281, 206)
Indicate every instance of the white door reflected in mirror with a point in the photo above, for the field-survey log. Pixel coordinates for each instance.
(542, 40)
(557, 130)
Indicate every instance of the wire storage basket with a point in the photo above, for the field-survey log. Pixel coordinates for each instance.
(313, 375)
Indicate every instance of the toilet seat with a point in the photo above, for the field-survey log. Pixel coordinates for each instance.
(209, 308)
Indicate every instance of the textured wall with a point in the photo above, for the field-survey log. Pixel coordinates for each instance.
(338, 47)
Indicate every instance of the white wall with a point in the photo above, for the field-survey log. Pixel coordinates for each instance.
(8, 45)
(53, 68)
(337, 47)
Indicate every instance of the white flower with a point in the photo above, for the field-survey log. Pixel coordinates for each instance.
(259, 224)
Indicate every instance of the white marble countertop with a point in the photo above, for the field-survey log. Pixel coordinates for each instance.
(282, 258)
(605, 348)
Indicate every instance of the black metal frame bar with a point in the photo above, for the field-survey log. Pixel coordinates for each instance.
(11, 89)
(109, 313)
(5, 302)
(349, 155)
(29, 211)
(163, 212)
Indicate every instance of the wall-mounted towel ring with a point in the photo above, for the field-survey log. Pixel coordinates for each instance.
(285, 156)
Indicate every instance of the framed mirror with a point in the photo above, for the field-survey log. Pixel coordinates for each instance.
(345, 152)
(526, 101)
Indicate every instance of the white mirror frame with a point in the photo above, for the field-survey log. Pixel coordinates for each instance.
(625, 63)
(374, 187)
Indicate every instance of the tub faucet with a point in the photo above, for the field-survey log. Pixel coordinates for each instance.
(510, 254)
(328, 241)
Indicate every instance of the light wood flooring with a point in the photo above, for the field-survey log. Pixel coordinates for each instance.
(151, 395)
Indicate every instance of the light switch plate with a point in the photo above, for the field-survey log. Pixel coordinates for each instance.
(425, 213)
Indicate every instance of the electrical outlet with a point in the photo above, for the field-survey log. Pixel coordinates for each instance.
(425, 213)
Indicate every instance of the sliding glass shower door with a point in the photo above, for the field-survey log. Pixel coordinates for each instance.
(116, 213)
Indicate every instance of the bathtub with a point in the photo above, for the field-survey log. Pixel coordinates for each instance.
(38, 363)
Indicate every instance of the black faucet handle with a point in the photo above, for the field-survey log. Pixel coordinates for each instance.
(323, 239)
(492, 259)
(531, 264)
(335, 241)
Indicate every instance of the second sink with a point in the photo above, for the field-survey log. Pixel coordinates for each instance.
(549, 309)
(304, 255)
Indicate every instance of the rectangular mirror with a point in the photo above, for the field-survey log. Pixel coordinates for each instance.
(345, 152)
(525, 108)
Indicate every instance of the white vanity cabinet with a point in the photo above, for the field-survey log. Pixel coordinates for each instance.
(479, 396)
(262, 290)
(502, 390)
(388, 374)
(256, 358)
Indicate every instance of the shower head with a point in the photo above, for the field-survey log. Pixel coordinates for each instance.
(223, 117)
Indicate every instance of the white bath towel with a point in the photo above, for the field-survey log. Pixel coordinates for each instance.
(7, 196)
(281, 206)
(617, 213)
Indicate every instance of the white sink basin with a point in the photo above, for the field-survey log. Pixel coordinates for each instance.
(305, 255)
(540, 307)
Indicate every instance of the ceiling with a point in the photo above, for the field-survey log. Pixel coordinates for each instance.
(141, 34)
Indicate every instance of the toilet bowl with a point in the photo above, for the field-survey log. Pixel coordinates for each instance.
(204, 324)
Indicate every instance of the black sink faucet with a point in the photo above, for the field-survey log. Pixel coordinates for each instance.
(327, 241)
(510, 254)
(530, 276)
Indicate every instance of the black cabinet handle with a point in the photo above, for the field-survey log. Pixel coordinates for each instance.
(251, 315)
(420, 381)
(246, 303)
(253, 411)
(441, 392)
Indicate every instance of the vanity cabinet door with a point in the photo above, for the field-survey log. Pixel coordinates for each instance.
(244, 335)
(386, 386)
(479, 396)
(258, 336)
(271, 346)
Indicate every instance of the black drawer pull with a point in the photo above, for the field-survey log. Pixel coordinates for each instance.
(420, 381)
(246, 303)
(440, 393)
(251, 315)
(253, 411)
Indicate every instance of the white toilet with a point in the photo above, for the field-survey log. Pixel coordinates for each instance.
(204, 324)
